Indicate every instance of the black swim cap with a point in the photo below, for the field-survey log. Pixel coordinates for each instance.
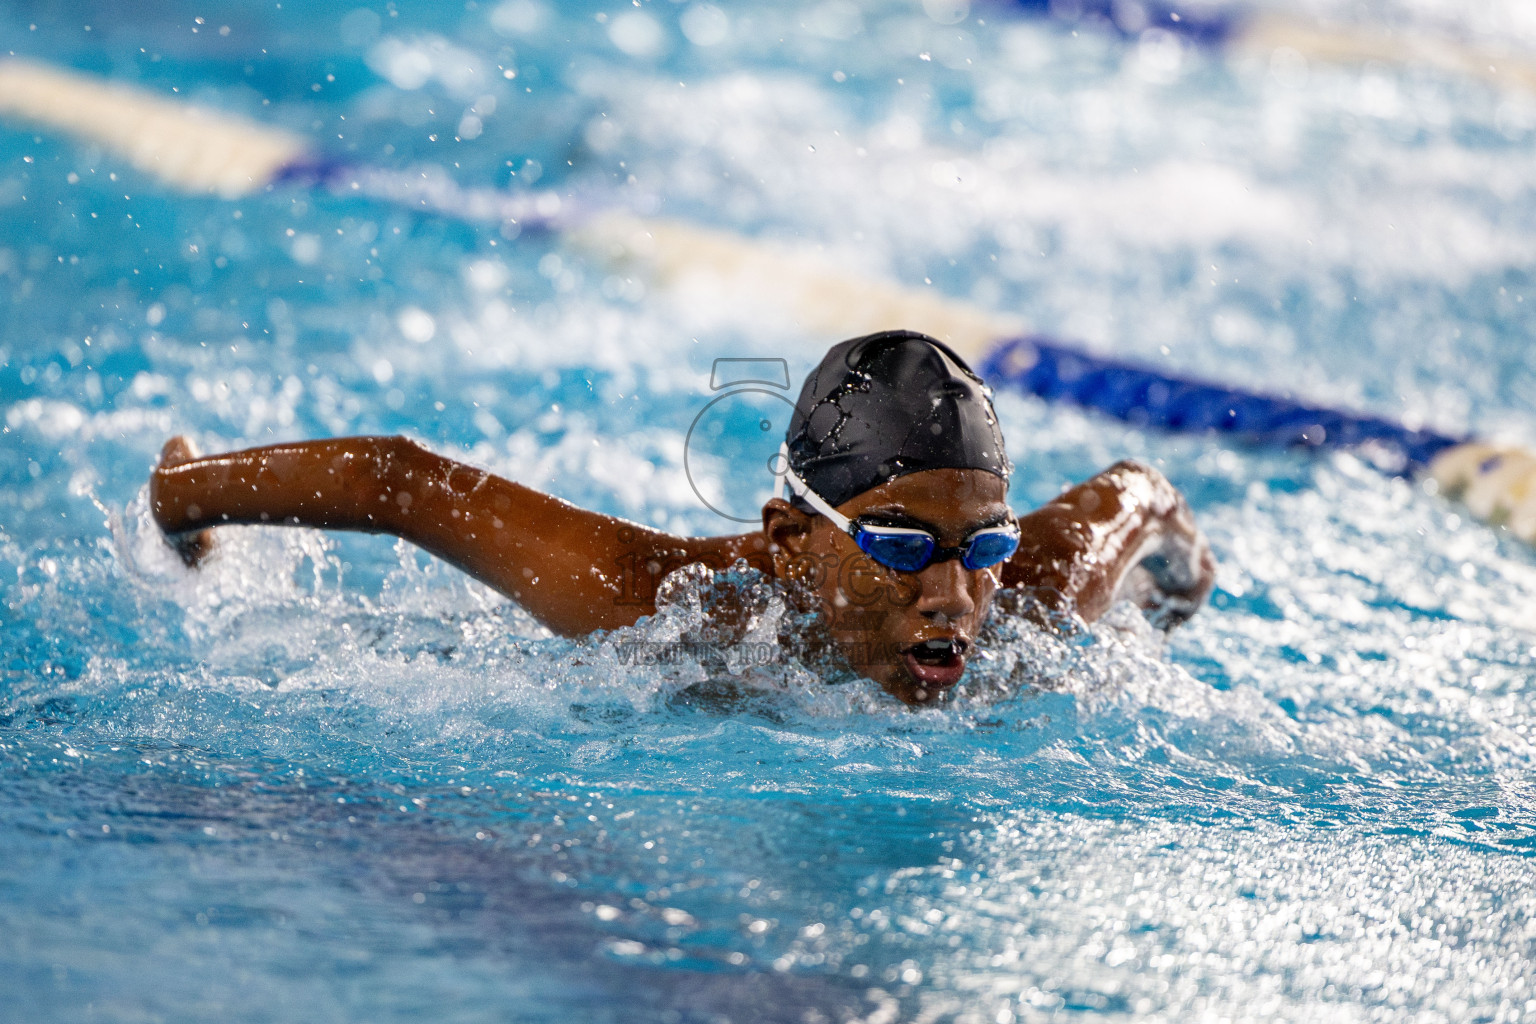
(886, 405)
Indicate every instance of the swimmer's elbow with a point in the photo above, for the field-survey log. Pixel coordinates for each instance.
(395, 480)
(389, 461)
(397, 448)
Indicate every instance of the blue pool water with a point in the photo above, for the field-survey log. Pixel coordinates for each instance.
(326, 779)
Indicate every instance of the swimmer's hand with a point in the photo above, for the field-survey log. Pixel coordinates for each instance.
(1172, 582)
(192, 545)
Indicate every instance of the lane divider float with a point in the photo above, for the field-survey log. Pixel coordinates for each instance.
(1264, 31)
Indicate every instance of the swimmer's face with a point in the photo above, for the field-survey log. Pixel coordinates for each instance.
(910, 632)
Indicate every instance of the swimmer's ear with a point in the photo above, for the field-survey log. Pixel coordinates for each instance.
(787, 529)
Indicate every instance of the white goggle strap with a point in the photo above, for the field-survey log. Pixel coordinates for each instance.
(787, 477)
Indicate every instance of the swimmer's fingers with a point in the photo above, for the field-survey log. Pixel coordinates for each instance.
(1171, 610)
(192, 545)
(1176, 581)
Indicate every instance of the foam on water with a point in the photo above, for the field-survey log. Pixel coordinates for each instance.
(325, 777)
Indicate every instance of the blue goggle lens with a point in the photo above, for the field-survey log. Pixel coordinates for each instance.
(912, 550)
(989, 547)
(902, 550)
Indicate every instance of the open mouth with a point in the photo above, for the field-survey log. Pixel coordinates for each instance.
(937, 664)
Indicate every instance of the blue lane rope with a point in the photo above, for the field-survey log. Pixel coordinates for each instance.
(1130, 18)
(1146, 397)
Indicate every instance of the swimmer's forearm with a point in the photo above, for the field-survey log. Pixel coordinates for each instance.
(340, 484)
(1126, 532)
(573, 569)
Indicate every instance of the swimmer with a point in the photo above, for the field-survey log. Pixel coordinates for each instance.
(895, 526)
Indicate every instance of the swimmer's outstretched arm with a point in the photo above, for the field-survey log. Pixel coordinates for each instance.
(574, 570)
(1126, 533)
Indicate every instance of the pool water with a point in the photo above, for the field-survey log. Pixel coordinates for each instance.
(324, 778)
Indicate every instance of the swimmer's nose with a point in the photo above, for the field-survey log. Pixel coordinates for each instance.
(946, 590)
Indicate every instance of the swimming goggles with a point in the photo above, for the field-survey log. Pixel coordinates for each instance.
(903, 548)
